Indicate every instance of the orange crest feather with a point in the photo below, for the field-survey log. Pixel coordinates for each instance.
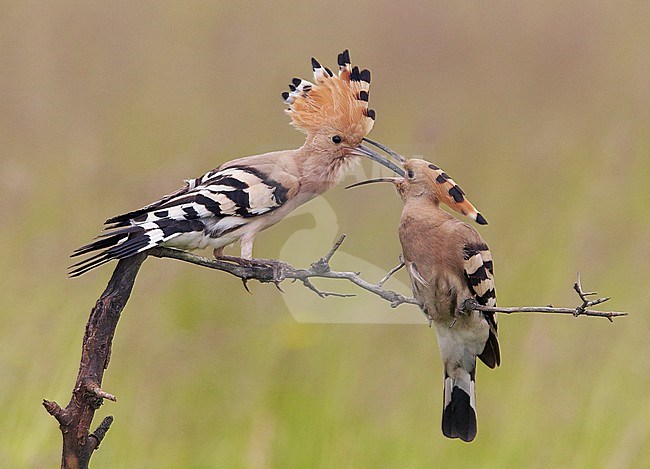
(333, 103)
(452, 195)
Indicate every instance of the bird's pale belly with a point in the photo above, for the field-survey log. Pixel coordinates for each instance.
(198, 240)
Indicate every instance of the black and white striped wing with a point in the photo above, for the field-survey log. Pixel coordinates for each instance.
(479, 274)
(207, 207)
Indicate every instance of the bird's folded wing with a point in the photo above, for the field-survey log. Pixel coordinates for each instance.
(479, 274)
(237, 191)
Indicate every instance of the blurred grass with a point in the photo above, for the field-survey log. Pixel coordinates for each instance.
(540, 110)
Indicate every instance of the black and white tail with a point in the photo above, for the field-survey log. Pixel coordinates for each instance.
(459, 406)
(127, 241)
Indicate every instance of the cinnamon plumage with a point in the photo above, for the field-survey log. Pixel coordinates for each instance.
(448, 262)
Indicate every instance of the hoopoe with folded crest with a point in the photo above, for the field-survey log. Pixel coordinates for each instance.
(242, 197)
(448, 262)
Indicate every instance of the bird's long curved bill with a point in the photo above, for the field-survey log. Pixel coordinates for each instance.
(362, 150)
(368, 181)
(383, 147)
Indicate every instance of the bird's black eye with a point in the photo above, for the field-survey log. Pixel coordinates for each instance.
(337, 139)
(410, 174)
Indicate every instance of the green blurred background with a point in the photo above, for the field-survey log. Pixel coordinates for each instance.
(540, 111)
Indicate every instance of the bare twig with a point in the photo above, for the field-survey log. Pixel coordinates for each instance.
(391, 272)
(586, 303)
(56, 411)
(470, 304)
(337, 245)
(324, 294)
(99, 392)
(98, 435)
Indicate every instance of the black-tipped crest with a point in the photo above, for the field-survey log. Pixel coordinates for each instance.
(344, 58)
(338, 103)
(448, 192)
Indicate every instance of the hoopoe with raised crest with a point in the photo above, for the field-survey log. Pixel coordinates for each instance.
(448, 262)
(242, 197)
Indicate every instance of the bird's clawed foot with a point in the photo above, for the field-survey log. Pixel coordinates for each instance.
(464, 309)
(277, 267)
(467, 306)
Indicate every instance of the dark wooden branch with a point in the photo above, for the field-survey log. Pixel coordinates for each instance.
(75, 420)
(88, 396)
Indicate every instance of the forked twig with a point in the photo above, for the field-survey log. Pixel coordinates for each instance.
(266, 270)
(470, 304)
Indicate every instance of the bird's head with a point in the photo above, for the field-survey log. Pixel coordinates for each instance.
(422, 179)
(333, 112)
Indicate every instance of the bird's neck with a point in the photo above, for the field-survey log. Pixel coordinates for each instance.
(425, 208)
(321, 169)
